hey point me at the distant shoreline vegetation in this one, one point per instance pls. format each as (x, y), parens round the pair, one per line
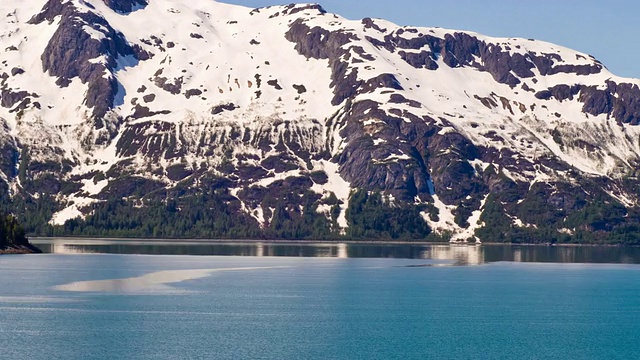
(217, 215)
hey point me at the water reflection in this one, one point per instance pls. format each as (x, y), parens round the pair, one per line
(460, 254)
(455, 254)
(153, 283)
(257, 249)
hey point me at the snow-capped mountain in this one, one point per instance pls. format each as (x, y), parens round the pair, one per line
(291, 115)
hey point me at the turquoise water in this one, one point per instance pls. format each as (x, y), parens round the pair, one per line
(55, 307)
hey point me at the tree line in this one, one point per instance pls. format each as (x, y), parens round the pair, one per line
(11, 232)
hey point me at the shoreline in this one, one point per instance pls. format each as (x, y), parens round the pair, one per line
(304, 242)
(20, 250)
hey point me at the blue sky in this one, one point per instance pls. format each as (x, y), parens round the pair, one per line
(608, 30)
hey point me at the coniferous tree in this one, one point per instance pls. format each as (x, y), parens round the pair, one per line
(11, 232)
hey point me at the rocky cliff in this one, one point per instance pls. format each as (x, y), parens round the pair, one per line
(202, 119)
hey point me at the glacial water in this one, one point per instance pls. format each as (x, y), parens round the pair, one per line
(115, 306)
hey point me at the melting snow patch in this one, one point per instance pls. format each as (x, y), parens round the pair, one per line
(519, 223)
(566, 231)
(372, 122)
(335, 184)
(479, 163)
(446, 130)
(94, 188)
(623, 199)
(393, 158)
(474, 223)
(95, 34)
(446, 221)
(258, 214)
(72, 211)
(279, 176)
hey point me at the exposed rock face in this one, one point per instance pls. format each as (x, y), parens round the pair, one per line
(9, 154)
(85, 46)
(461, 49)
(334, 127)
(617, 101)
(126, 6)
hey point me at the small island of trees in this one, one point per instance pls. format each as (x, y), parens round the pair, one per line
(12, 236)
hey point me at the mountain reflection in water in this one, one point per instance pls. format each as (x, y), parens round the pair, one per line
(446, 254)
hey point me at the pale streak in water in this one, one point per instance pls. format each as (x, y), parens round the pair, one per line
(149, 283)
(33, 299)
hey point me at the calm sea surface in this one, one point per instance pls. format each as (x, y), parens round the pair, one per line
(347, 302)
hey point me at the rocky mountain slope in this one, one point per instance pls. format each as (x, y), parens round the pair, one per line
(203, 119)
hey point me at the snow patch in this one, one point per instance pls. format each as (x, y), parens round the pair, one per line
(335, 184)
(446, 221)
(474, 223)
(94, 188)
(72, 211)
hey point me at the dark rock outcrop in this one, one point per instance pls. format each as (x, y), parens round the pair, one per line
(80, 39)
(125, 6)
(618, 101)
(319, 43)
(461, 49)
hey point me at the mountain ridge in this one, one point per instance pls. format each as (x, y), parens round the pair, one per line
(288, 121)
